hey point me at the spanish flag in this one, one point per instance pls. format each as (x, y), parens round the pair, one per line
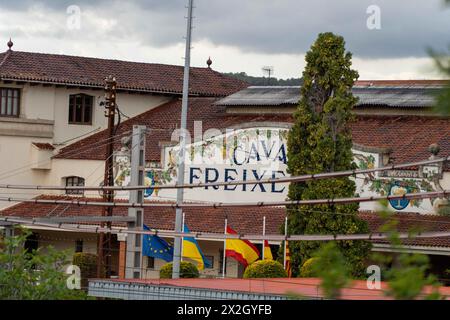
(191, 251)
(241, 250)
(267, 251)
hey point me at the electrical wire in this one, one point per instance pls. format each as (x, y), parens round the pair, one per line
(215, 205)
(307, 177)
(210, 235)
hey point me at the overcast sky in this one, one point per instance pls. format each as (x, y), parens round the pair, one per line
(239, 35)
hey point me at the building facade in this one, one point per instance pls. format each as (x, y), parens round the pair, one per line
(237, 133)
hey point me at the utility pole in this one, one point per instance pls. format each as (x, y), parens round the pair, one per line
(104, 240)
(184, 109)
(133, 264)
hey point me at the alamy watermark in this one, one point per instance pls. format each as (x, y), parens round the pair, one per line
(373, 21)
(374, 278)
(73, 17)
(73, 282)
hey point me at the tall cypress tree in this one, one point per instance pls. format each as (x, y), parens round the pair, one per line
(320, 141)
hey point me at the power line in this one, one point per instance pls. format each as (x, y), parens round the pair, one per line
(220, 236)
(407, 196)
(308, 177)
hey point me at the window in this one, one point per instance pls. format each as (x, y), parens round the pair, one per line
(31, 243)
(80, 109)
(150, 263)
(79, 246)
(9, 102)
(74, 182)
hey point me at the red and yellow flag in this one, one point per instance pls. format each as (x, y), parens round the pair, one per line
(288, 261)
(267, 251)
(241, 250)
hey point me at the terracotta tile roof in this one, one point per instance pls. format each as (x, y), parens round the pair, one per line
(243, 220)
(417, 222)
(408, 136)
(44, 146)
(204, 220)
(131, 76)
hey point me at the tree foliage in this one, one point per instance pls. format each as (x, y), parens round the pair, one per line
(37, 275)
(265, 269)
(406, 273)
(329, 264)
(320, 141)
(263, 81)
(442, 62)
(187, 270)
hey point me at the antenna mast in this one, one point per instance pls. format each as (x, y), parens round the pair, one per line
(268, 70)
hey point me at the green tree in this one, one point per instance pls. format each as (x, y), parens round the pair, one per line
(320, 141)
(263, 81)
(37, 275)
(442, 62)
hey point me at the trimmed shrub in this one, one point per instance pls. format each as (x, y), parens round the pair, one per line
(306, 271)
(87, 262)
(187, 270)
(265, 269)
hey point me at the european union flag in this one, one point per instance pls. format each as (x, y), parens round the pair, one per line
(154, 246)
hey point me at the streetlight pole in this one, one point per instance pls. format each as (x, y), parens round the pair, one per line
(181, 158)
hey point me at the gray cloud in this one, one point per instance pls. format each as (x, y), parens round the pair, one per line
(276, 26)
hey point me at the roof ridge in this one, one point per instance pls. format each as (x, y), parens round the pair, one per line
(107, 59)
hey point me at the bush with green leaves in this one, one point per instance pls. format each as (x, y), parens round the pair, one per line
(321, 141)
(265, 269)
(306, 270)
(36, 275)
(87, 262)
(187, 270)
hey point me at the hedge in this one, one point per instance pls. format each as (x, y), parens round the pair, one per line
(87, 262)
(306, 271)
(187, 270)
(265, 269)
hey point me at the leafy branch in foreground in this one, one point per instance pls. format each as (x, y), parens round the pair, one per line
(36, 275)
(407, 275)
(329, 264)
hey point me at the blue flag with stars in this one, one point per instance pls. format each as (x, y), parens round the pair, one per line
(154, 246)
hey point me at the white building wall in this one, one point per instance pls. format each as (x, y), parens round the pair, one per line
(44, 118)
(16, 166)
(91, 170)
(130, 104)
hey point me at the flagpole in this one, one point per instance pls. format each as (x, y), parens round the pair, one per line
(224, 249)
(264, 233)
(285, 242)
(182, 238)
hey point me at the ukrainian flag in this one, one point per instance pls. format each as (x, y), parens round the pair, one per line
(191, 251)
